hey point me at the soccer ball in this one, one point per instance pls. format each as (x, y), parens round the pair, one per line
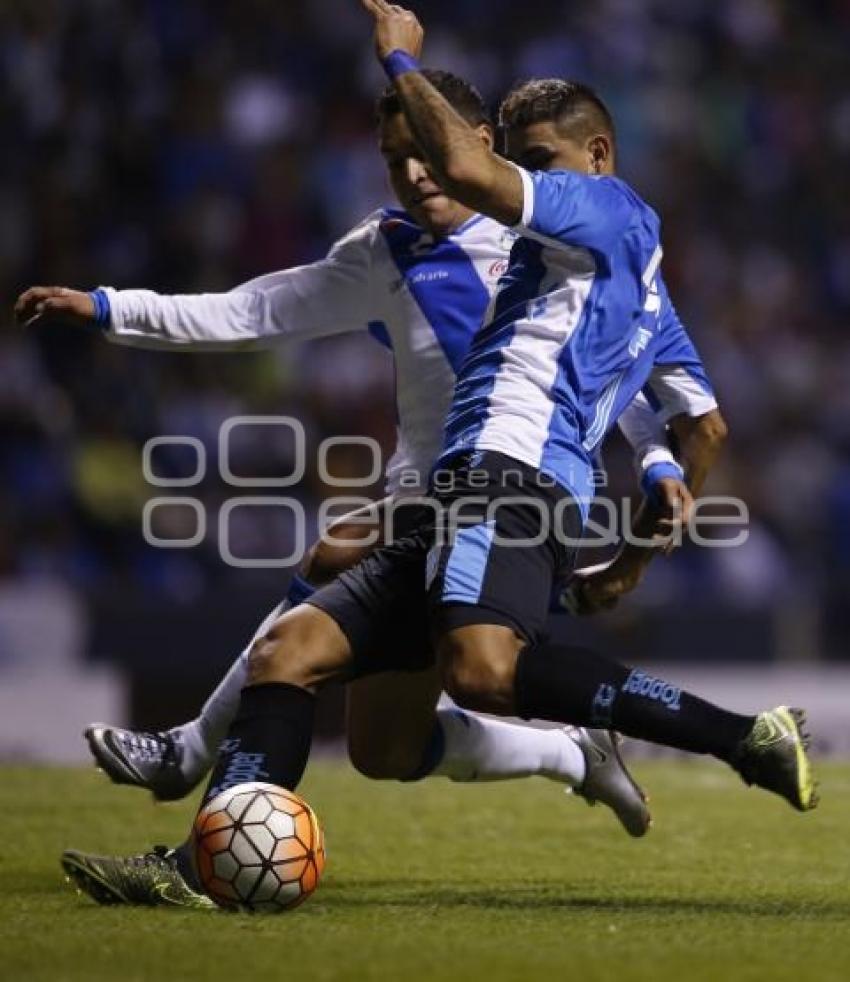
(258, 847)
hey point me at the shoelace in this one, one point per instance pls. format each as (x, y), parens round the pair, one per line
(150, 748)
(158, 856)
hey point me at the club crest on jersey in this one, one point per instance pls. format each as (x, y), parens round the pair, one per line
(640, 341)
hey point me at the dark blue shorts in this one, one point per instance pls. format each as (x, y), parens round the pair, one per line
(484, 548)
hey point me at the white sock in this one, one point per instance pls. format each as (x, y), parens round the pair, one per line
(478, 748)
(201, 736)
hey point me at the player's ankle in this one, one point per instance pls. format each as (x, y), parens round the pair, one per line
(198, 748)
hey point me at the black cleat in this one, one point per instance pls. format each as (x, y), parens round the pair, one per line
(149, 880)
(146, 760)
(774, 756)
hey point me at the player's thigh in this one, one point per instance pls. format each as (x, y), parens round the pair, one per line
(350, 538)
(390, 720)
(345, 542)
(380, 606)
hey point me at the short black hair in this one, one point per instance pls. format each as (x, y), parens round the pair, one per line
(571, 104)
(463, 97)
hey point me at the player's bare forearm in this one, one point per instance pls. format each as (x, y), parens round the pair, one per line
(700, 440)
(466, 169)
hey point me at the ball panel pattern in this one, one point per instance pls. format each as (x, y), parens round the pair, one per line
(288, 850)
(215, 821)
(258, 847)
(260, 838)
(304, 830)
(286, 802)
(281, 826)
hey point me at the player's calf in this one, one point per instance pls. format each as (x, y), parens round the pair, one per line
(270, 737)
(478, 663)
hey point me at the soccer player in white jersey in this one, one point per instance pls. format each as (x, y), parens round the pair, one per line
(574, 331)
(450, 260)
(578, 323)
(159, 318)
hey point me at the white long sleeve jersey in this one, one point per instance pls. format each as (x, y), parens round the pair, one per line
(421, 296)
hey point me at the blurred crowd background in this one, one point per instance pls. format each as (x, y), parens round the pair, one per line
(187, 145)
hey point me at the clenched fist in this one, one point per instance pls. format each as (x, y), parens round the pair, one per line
(396, 29)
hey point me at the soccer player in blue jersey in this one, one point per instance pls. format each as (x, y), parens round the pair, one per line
(571, 336)
(487, 599)
(450, 260)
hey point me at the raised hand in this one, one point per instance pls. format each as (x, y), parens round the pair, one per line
(396, 29)
(46, 301)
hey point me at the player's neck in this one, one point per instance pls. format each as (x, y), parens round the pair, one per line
(459, 218)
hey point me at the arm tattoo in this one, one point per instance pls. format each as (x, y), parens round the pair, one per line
(443, 134)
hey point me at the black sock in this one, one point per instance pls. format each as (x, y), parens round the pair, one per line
(269, 739)
(568, 684)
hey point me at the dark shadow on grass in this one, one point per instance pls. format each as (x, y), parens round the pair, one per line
(426, 895)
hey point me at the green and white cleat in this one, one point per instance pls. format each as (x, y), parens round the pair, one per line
(774, 756)
(608, 780)
(149, 880)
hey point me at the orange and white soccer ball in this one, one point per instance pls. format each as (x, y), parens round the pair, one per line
(258, 847)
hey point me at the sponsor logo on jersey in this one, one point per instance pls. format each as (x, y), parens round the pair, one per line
(428, 276)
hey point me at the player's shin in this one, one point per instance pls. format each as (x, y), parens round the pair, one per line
(468, 747)
(574, 685)
(269, 739)
(200, 737)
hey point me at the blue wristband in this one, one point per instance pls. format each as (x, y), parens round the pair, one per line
(655, 472)
(102, 310)
(399, 62)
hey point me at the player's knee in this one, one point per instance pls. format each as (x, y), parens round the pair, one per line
(266, 657)
(296, 649)
(479, 672)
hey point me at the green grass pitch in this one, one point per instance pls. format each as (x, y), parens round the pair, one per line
(448, 882)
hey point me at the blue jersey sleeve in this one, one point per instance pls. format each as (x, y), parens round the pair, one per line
(575, 209)
(678, 382)
(673, 344)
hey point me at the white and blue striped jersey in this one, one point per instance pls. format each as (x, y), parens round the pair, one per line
(580, 323)
(424, 298)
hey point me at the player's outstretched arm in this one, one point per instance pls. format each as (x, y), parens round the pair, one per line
(328, 297)
(464, 167)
